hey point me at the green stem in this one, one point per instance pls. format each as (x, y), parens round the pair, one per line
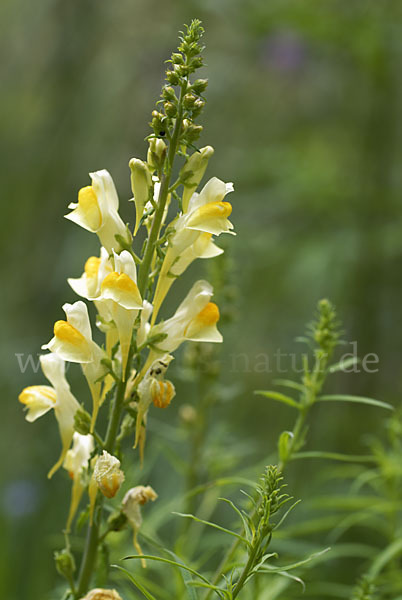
(163, 195)
(245, 572)
(90, 553)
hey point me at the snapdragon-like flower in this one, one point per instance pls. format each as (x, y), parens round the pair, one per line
(206, 215)
(194, 320)
(108, 475)
(39, 399)
(72, 341)
(120, 294)
(153, 388)
(131, 507)
(76, 463)
(101, 594)
(97, 210)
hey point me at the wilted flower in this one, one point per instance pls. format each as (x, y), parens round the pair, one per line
(100, 594)
(193, 171)
(39, 399)
(154, 389)
(132, 501)
(76, 463)
(108, 475)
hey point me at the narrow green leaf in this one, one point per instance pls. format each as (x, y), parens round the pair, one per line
(384, 557)
(138, 585)
(290, 384)
(278, 397)
(220, 591)
(344, 364)
(242, 517)
(214, 525)
(186, 577)
(295, 565)
(294, 578)
(355, 399)
(167, 561)
(334, 456)
(286, 514)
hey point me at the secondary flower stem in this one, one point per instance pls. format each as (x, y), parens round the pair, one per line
(163, 195)
(90, 553)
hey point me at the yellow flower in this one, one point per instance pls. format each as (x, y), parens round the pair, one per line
(194, 320)
(206, 215)
(39, 399)
(108, 475)
(76, 463)
(72, 341)
(132, 501)
(97, 210)
(120, 295)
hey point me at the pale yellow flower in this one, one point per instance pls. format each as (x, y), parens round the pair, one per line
(72, 341)
(39, 399)
(97, 210)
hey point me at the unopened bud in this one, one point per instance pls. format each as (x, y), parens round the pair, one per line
(199, 86)
(141, 184)
(170, 109)
(177, 58)
(172, 77)
(65, 563)
(193, 171)
(189, 100)
(117, 521)
(82, 421)
(156, 154)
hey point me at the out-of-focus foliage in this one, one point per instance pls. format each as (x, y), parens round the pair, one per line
(304, 109)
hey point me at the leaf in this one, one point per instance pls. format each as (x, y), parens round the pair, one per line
(295, 565)
(187, 579)
(384, 557)
(242, 517)
(286, 514)
(167, 561)
(214, 525)
(344, 364)
(278, 397)
(220, 591)
(355, 399)
(290, 384)
(138, 585)
(294, 578)
(334, 456)
(284, 445)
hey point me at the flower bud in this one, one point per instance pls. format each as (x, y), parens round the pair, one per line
(108, 475)
(189, 100)
(82, 421)
(193, 171)
(65, 563)
(170, 109)
(199, 86)
(99, 594)
(141, 184)
(116, 521)
(177, 58)
(168, 93)
(172, 77)
(156, 154)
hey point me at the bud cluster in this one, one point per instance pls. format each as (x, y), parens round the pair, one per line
(186, 101)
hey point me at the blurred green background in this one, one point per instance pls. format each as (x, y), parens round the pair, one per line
(304, 111)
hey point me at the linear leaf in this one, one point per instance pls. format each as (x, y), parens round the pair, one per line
(344, 364)
(278, 397)
(214, 525)
(242, 517)
(169, 562)
(138, 585)
(334, 456)
(355, 399)
(295, 565)
(290, 384)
